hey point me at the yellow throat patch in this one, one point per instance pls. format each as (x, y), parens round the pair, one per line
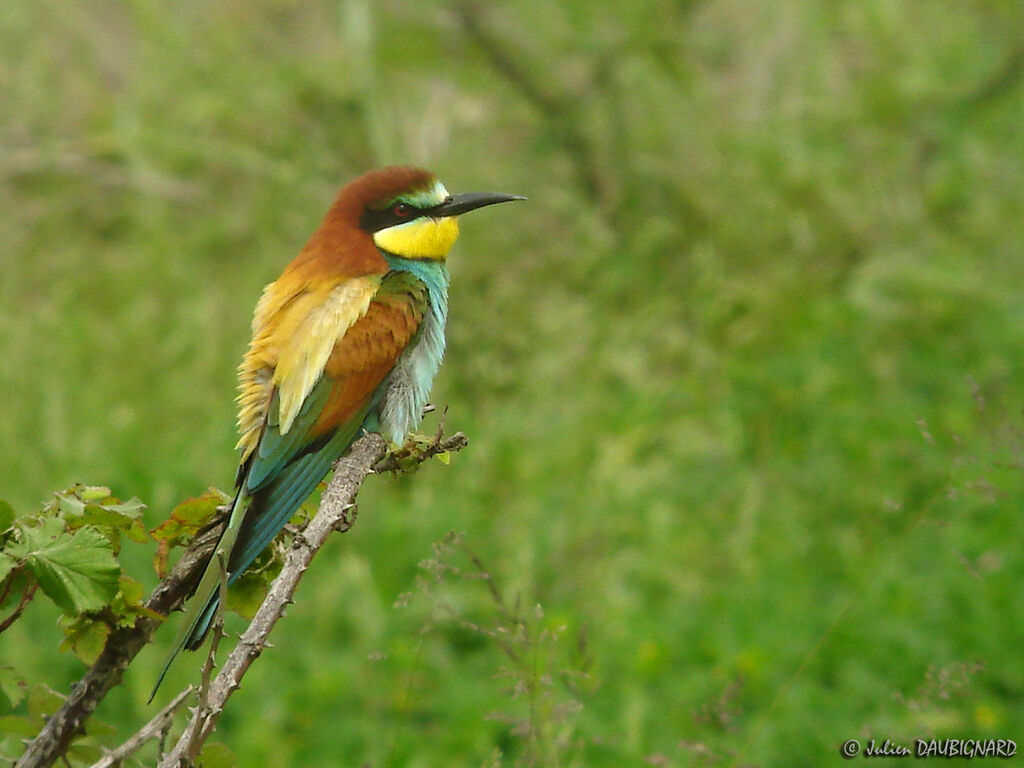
(422, 238)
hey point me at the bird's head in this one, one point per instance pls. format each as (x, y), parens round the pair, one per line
(409, 213)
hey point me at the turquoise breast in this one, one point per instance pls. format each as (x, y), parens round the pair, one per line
(407, 387)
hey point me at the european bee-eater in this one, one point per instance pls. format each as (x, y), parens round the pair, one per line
(348, 339)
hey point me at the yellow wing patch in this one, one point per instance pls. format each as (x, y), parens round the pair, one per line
(294, 331)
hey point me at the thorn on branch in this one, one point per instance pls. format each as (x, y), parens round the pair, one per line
(338, 497)
(348, 518)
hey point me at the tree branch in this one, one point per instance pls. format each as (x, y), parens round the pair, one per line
(336, 506)
(337, 512)
(154, 729)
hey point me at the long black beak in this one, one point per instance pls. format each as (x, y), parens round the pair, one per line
(470, 201)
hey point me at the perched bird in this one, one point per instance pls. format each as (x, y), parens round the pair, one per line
(348, 339)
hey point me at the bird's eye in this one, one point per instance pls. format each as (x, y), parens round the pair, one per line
(401, 210)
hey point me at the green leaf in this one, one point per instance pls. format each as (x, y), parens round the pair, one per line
(78, 572)
(43, 701)
(65, 503)
(18, 582)
(216, 755)
(98, 515)
(188, 517)
(83, 751)
(84, 636)
(248, 593)
(7, 515)
(137, 532)
(93, 505)
(132, 591)
(92, 492)
(128, 604)
(7, 564)
(13, 686)
(12, 725)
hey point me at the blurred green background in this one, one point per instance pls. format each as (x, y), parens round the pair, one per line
(742, 380)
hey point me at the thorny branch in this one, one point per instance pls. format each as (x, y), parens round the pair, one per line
(217, 633)
(399, 460)
(335, 506)
(154, 729)
(336, 512)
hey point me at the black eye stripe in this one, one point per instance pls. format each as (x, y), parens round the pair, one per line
(374, 220)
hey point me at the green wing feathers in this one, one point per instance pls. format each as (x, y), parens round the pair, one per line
(285, 467)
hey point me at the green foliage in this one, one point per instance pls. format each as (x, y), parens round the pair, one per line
(68, 551)
(742, 378)
(7, 515)
(77, 571)
(94, 506)
(185, 521)
(542, 679)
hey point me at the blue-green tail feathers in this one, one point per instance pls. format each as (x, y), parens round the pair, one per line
(256, 519)
(209, 585)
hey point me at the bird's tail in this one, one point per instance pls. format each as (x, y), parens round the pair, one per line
(257, 516)
(202, 607)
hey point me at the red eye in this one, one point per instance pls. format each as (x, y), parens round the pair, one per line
(401, 210)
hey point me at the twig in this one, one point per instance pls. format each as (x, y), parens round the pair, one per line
(335, 507)
(206, 676)
(26, 598)
(396, 460)
(498, 599)
(154, 729)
